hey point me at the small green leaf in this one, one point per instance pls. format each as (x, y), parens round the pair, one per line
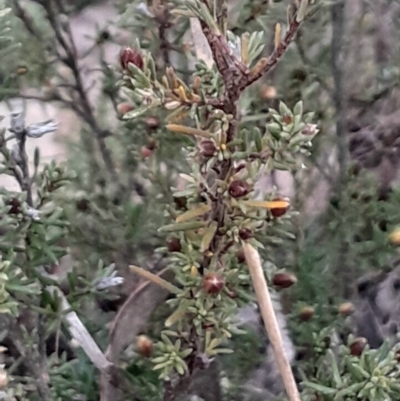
(320, 388)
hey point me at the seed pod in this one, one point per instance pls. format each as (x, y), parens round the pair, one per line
(240, 256)
(152, 122)
(174, 245)
(245, 233)
(357, 346)
(284, 280)
(22, 70)
(82, 205)
(279, 211)
(268, 92)
(151, 144)
(130, 55)
(207, 148)
(213, 283)
(144, 345)
(239, 188)
(124, 108)
(346, 308)
(306, 313)
(180, 202)
(145, 152)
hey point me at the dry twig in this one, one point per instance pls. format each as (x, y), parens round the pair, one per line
(271, 324)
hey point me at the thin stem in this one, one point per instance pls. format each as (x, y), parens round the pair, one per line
(338, 16)
(85, 110)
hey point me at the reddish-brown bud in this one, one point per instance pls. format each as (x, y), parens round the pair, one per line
(152, 122)
(124, 108)
(145, 152)
(15, 206)
(306, 313)
(180, 202)
(22, 70)
(174, 245)
(82, 205)
(245, 233)
(346, 308)
(144, 345)
(268, 92)
(240, 256)
(239, 188)
(213, 283)
(398, 356)
(207, 148)
(357, 346)
(284, 280)
(279, 211)
(151, 144)
(130, 55)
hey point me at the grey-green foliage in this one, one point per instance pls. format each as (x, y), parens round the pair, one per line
(373, 375)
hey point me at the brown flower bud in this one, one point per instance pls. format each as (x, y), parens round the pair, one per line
(124, 108)
(22, 70)
(180, 202)
(240, 256)
(213, 283)
(239, 188)
(357, 346)
(398, 355)
(174, 245)
(207, 148)
(130, 55)
(346, 308)
(15, 205)
(279, 211)
(284, 280)
(151, 144)
(145, 152)
(268, 92)
(245, 233)
(306, 313)
(144, 345)
(152, 122)
(82, 205)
